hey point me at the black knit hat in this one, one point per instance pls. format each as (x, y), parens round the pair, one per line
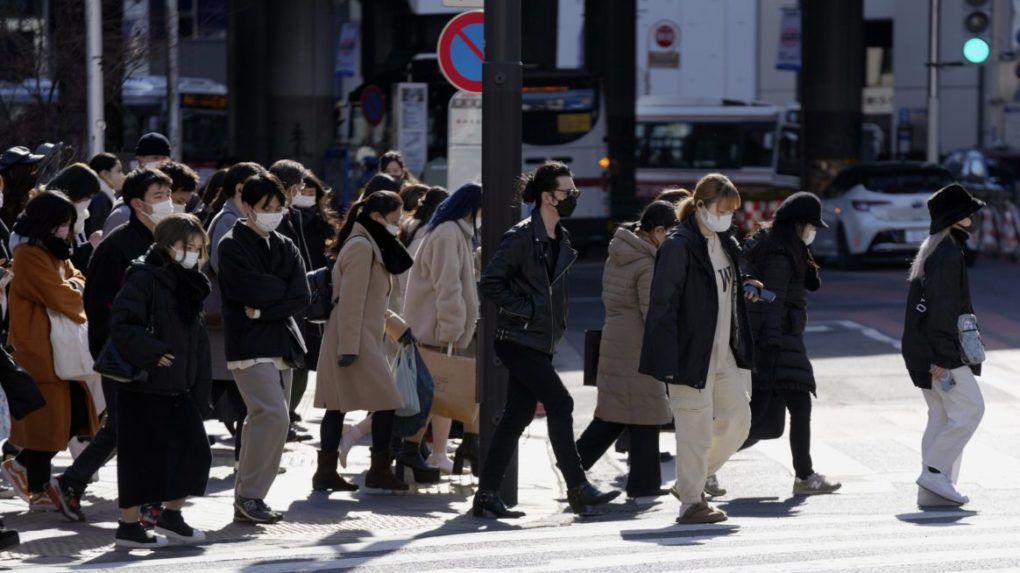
(802, 207)
(950, 205)
(152, 144)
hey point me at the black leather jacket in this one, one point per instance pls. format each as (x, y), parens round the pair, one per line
(531, 307)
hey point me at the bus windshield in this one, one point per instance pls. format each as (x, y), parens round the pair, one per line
(704, 145)
(554, 115)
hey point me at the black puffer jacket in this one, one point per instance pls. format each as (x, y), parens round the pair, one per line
(781, 360)
(684, 308)
(531, 307)
(934, 304)
(148, 320)
(268, 275)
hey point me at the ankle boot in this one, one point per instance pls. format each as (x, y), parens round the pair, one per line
(582, 497)
(409, 455)
(490, 502)
(467, 451)
(326, 477)
(380, 475)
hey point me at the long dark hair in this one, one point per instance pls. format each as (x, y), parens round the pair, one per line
(382, 202)
(786, 235)
(541, 180)
(212, 188)
(433, 198)
(660, 213)
(43, 214)
(78, 181)
(466, 200)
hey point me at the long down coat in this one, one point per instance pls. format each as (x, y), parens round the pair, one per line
(42, 281)
(624, 395)
(357, 325)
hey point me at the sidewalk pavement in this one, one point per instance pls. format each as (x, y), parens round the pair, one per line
(312, 518)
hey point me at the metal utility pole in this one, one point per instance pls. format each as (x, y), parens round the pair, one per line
(94, 76)
(933, 81)
(173, 96)
(501, 164)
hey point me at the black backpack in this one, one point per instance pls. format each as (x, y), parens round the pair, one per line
(320, 284)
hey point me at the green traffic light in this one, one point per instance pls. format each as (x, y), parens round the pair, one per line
(976, 50)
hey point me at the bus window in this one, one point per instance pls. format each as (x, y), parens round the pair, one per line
(690, 145)
(554, 115)
(789, 152)
(203, 135)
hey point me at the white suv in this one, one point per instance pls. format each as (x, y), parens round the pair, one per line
(878, 211)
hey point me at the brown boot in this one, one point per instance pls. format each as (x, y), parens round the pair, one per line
(380, 474)
(702, 512)
(326, 477)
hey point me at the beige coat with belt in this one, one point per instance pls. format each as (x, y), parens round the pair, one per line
(441, 302)
(357, 325)
(624, 396)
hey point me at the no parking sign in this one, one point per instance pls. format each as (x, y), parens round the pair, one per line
(462, 50)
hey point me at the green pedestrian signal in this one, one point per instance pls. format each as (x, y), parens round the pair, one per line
(976, 50)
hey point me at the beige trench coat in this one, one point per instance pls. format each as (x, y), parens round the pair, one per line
(357, 325)
(624, 395)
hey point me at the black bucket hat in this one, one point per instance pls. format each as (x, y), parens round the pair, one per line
(951, 204)
(802, 207)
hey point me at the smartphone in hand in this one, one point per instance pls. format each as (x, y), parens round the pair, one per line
(764, 294)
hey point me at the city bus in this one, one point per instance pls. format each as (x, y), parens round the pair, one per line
(563, 120)
(756, 146)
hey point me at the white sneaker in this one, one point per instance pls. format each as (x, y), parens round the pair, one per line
(441, 461)
(942, 486)
(815, 484)
(712, 488)
(926, 498)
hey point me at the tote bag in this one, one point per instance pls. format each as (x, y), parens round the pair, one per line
(454, 380)
(70, 342)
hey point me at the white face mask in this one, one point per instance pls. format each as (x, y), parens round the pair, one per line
(153, 164)
(187, 259)
(809, 236)
(303, 201)
(161, 211)
(180, 208)
(82, 207)
(716, 223)
(393, 229)
(268, 222)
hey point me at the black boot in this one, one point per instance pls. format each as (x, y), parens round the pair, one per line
(489, 501)
(467, 451)
(8, 538)
(380, 474)
(408, 454)
(582, 497)
(326, 477)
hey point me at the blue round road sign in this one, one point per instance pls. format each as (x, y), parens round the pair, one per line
(462, 50)
(373, 104)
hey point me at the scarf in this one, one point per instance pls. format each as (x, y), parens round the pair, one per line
(192, 287)
(57, 247)
(394, 255)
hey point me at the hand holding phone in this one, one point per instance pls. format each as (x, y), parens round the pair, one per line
(762, 293)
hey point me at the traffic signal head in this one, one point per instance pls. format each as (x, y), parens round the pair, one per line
(977, 25)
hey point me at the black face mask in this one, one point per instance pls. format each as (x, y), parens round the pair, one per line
(566, 207)
(57, 247)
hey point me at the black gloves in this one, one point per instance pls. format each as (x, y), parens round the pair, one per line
(346, 360)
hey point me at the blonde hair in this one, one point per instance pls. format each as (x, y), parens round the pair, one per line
(711, 189)
(927, 248)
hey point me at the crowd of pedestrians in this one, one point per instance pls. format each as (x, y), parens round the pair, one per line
(198, 305)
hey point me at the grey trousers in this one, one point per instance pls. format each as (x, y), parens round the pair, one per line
(266, 392)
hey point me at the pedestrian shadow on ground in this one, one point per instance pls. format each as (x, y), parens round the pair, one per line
(937, 516)
(762, 506)
(679, 535)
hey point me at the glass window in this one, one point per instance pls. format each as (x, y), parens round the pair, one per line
(690, 145)
(907, 182)
(554, 115)
(789, 162)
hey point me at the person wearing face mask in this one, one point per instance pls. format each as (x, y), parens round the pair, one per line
(780, 256)
(697, 340)
(156, 325)
(940, 357)
(81, 185)
(264, 288)
(526, 279)
(182, 189)
(392, 163)
(147, 193)
(111, 181)
(628, 400)
(152, 150)
(45, 280)
(353, 372)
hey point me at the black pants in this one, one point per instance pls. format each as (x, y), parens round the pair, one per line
(798, 403)
(643, 455)
(331, 430)
(36, 462)
(102, 447)
(532, 379)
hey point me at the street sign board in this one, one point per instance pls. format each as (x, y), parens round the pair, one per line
(462, 50)
(373, 104)
(464, 139)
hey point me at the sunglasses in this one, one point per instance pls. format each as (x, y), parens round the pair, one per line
(574, 192)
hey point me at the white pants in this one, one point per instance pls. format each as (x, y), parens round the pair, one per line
(711, 425)
(953, 417)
